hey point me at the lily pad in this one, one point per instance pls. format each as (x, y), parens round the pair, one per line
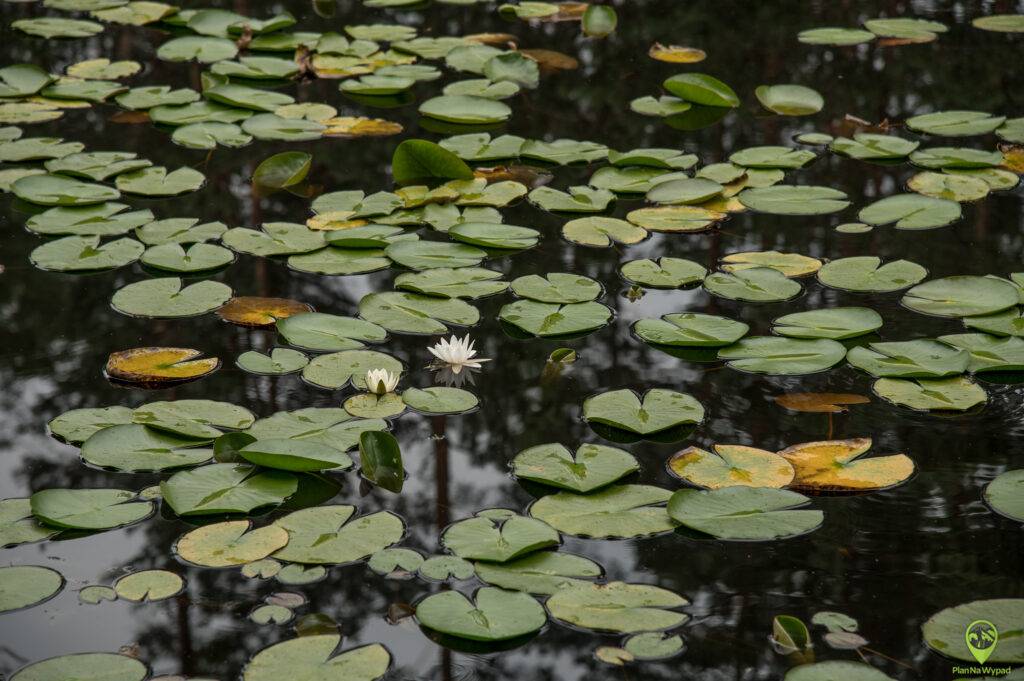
(944, 631)
(542, 572)
(794, 200)
(837, 323)
(229, 544)
(492, 615)
(1005, 494)
(327, 332)
(674, 219)
(314, 657)
(910, 359)
(156, 181)
(962, 296)
(601, 232)
(498, 540)
(744, 513)
(494, 235)
(660, 410)
(552, 319)
(590, 468)
(789, 264)
(836, 669)
(280, 361)
(617, 511)
(401, 312)
(465, 109)
(295, 455)
(957, 394)
(872, 147)
(330, 535)
(955, 123)
(665, 273)
(690, 329)
(955, 157)
(838, 466)
(165, 298)
(226, 488)
(57, 27)
(789, 100)
(835, 36)
(89, 509)
(159, 365)
(911, 211)
(275, 238)
(447, 282)
(77, 425)
(758, 285)
(424, 255)
(147, 586)
(85, 253)
(440, 400)
(782, 356)
(659, 106)
(867, 274)
(58, 190)
(104, 219)
(24, 586)
(204, 49)
(107, 666)
(948, 187)
(701, 88)
(133, 447)
(338, 369)
(618, 607)
(730, 465)
(989, 353)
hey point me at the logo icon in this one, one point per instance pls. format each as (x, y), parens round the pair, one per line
(982, 637)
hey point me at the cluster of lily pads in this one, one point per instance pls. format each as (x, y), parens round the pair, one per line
(437, 229)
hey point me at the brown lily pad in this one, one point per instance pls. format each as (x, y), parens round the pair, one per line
(158, 367)
(257, 312)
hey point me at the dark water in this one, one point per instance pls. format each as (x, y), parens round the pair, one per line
(888, 559)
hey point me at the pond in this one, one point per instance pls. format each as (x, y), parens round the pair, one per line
(833, 495)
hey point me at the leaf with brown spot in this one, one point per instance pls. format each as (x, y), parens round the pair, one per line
(360, 126)
(527, 175)
(676, 54)
(258, 312)
(836, 466)
(335, 220)
(731, 465)
(158, 366)
(551, 60)
(819, 403)
(1013, 157)
(491, 38)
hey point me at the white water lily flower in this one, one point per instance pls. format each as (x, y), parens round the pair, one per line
(381, 381)
(457, 353)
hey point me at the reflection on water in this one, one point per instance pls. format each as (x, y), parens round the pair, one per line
(889, 559)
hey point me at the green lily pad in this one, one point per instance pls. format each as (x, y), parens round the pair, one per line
(198, 258)
(690, 329)
(23, 586)
(97, 165)
(204, 49)
(653, 645)
(782, 356)
(744, 513)
(465, 109)
(552, 319)
(77, 425)
(557, 287)
(758, 285)
(666, 159)
(921, 358)
(945, 631)
(338, 369)
(443, 568)
(494, 235)
(165, 298)
(268, 126)
(197, 112)
(684, 191)
(577, 200)
(789, 264)
(955, 157)
(208, 134)
(867, 274)
(107, 666)
(632, 179)
(280, 361)
(947, 186)
(133, 447)
(440, 400)
(38, 149)
(58, 190)
(909, 28)
(590, 468)
(245, 97)
(56, 27)
(836, 669)
(229, 544)
(256, 68)
(392, 561)
(226, 488)
(958, 393)
(835, 36)
(701, 88)
(658, 411)
(330, 426)
(542, 572)
(380, 455)
(911, 211)
(665, 273)
(962, 296)
(563, 151)
(299, 456)
(776, 157)
(89, 509)
(618, 607)
(313, 657)
(340, 261)
(989, 353)
(1004, 495)
(327, 332)
(601, 232)
(793, 200)
(1002, 23)
(955, 123)
(492, 615)
(420, 160)
(275, 238)
(790, 100)
(424, 255)
(330, 535)
(23, 80)
(872, 147)
(498, 540)
(837, 323)
(156, 181)
(401, 312)
(731, 465)
(85, 253)
(147, 97)
(447, 282)
(147, 586)
(94, 594)
(617, 511)
(662, 106)
(668, 219)
(1007, 323)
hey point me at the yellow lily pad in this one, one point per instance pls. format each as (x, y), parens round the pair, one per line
(255, 311)
(676, 54)
(159, 366)
(836, 466)
(731, 465)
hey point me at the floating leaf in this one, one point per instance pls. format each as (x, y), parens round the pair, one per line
(962, 296)
(447, 282)
(823, 403)
(1004, 495)
(493, 615)
(57, 190)
(955, 157)
(267, 126)
(660, 410)
(618, 511)
(424, 255)
(683, 191)
(260, 312)
(418, 160)
(602, 232)
(23, 586)
(159, 366)
(690, 329)
(744, 513)
(659, 106)
(542, 572)
(229, 544)
(498, 541)
(330, 426)
(780, 157)
(592, 466)
(85, 253)
(789, 264)
(401, 312)
(440, 400)
(280, 361)
(945, 631)
(465, 109)
(675, 54)
(494, 235)
(789, 100)
(988, 353)
(198, 258)
(666, 273)
(577, 200)
(77, 425)
(955, 123)
(552, 319)
(618, 607)
(147, 97)
(156, 181)
(56, 27)
(653, 645)
(911, 211)
(133, 447)
(701, 88)
(837, 466)
(835, 36)
(868, 274)
(674, 219)
(225, 488)
(338, 369)
(837, 323)
(89, 509)
(92, 595)
(1002, 23)
(147, 586)
(442, 568)
(275, 238)
(948, 187)
(921, 358)
(794, 200)
(731, 465)
(758, 284)
(299, 456)
(313, 657)
(107, 666)
(873, 147)
(782, 356)
(164, 298)
(958, 393)
(381, 460)
(329, 535)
